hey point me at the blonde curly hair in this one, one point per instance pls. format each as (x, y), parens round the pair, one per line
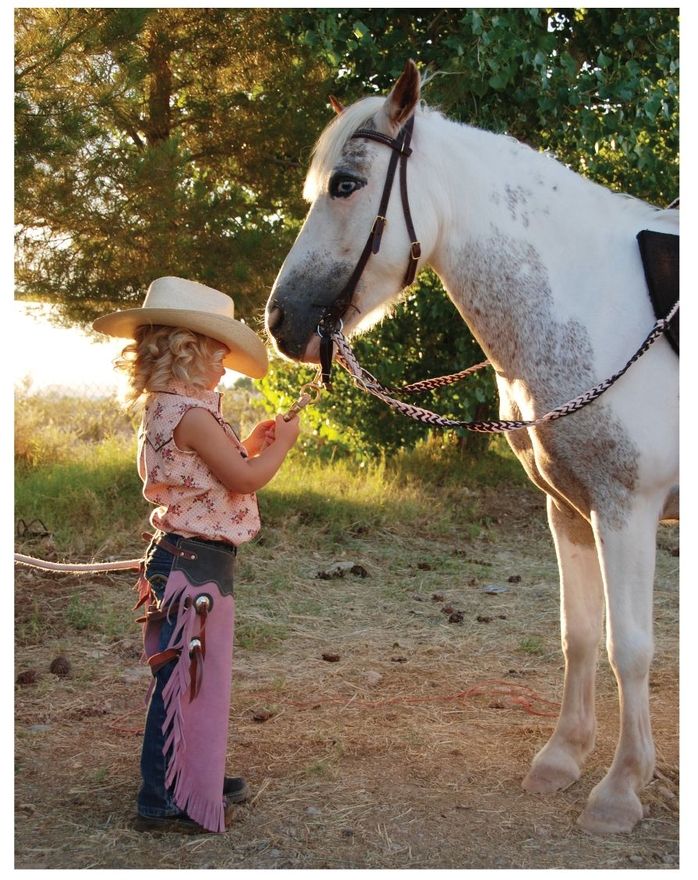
(158, 355)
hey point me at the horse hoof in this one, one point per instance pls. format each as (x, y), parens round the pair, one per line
(545, 778)
(611, 817)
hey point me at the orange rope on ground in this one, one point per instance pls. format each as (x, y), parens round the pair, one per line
(520, 695)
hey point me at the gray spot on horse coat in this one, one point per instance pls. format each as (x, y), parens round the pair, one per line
(585, 460)
(516, 200)
(355, 155)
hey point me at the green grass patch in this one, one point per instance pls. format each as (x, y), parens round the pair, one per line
(259, 635)
(532, 645)
(88, 501)
(87, 492)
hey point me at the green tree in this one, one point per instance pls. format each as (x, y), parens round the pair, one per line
(597, 87)
(153, 142)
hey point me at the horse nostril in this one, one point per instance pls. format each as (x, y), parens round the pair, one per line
(275, 318)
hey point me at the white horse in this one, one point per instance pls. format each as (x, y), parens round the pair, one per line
(544, 267)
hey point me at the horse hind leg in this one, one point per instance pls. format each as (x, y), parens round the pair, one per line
(560, 761)
(627, 555)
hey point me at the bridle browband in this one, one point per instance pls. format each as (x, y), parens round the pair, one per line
(332, 316)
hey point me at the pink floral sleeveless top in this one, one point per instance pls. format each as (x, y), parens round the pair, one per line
(191, 500)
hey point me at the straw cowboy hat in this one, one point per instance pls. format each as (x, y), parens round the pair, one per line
(175, 302)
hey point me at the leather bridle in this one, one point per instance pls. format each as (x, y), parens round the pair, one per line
(332, 316)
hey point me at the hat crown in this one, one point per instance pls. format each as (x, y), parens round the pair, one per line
(180, 294)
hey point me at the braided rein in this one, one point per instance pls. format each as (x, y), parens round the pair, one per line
(367, 382)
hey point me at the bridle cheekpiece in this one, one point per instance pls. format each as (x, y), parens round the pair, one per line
(331, 318)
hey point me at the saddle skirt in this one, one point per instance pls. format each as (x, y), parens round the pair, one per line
(660, 259)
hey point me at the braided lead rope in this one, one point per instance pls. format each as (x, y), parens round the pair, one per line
(363, 379)
(441, 381)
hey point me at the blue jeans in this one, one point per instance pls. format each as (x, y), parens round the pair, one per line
(154, 800)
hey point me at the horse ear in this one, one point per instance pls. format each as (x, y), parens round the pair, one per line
(404, 97)
(337, 106)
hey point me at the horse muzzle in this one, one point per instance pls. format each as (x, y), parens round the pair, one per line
(291, 338)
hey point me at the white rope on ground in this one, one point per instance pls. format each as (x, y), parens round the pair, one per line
(83, 568)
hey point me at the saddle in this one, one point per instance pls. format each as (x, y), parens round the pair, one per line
(660, 259)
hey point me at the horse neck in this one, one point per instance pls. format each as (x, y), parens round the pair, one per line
(518, 233)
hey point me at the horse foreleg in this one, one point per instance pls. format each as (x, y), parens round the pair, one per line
(559, 763)
(627, 561)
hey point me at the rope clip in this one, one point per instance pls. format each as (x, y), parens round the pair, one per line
(309, 393)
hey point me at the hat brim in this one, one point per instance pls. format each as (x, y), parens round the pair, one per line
(247, 353)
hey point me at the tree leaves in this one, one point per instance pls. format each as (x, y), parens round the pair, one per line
(119, 113)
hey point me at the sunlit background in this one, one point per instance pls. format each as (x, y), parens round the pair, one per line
(54, 358)
(57, 357)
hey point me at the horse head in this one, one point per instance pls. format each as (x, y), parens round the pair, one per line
(344, 186)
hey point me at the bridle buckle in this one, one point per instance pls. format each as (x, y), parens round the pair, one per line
(330, 325)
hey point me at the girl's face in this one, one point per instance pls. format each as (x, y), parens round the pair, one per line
(215, 370)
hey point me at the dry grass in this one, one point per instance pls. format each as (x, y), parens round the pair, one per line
(386, 758)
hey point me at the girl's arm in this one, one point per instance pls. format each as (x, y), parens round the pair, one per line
(198, 431)
(260, 437)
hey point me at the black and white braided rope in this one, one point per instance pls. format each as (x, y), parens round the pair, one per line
(363, 379)
(441, 381)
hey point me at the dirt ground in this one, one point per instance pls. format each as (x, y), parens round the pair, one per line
(405, 750)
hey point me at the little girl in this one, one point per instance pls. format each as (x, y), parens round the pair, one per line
(202, 479)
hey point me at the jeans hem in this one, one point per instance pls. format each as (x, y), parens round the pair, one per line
(160, 814)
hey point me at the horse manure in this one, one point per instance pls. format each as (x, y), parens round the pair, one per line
(424, 566)
(339, 569)
(330, 658)
(456, 617)
(437, 597)
(29, 676)
(481, 618)
(60, 667)
(262, 715)
(514, 579)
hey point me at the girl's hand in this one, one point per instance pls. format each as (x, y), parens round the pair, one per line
(286, 432)
(262, 435)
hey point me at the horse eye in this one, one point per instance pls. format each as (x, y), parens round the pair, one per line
(343, 185)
